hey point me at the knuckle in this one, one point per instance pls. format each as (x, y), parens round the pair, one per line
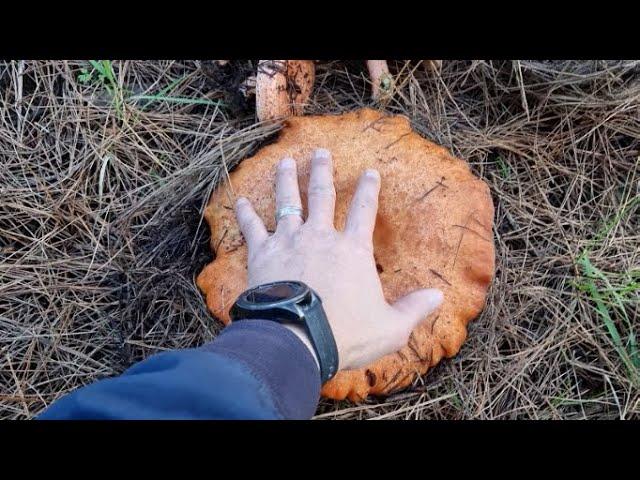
(288, 223)
(310, 233)
(298, 237)
(271, 246)
(326, 235)
(322, 191)
(249, 223)
(287, 199)
(322, 161)
(368, 199)
(286, 173)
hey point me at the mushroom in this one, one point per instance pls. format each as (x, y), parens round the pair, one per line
(433, 229)
(381, 79)
(283, 87)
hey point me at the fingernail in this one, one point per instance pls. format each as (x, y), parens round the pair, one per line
(322, 153)
(372, 173)
(241, 201)
(287, 162)
(438, 296)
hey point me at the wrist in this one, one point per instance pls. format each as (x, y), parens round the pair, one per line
(304, 338)
(297, 307)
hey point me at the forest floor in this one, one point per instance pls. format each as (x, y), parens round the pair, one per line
(105, 168)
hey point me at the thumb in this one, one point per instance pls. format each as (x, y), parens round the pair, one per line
(416, 306)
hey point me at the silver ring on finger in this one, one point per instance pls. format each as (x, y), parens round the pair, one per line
(288, 210)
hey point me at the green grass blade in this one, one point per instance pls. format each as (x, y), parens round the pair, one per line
(166, 90)
(590, 272)
(108, 69)
(591, 288)
(169, 88)
(98, 66)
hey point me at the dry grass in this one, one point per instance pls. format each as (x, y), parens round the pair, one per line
(102, 185)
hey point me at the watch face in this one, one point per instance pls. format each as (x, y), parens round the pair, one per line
(275, 292)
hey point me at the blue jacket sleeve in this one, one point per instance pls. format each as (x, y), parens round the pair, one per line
(253, 370)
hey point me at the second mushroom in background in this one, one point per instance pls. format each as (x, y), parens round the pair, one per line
(283, 87)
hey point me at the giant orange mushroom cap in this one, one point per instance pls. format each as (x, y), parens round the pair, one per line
(433, 229)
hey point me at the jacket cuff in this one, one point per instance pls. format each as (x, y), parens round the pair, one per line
(276, 357)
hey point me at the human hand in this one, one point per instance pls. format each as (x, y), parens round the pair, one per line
(339, 266)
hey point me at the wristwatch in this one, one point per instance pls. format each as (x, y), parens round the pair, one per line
(292, 302)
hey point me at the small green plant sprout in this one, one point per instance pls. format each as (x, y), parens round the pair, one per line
(102, 73)
(85, 76)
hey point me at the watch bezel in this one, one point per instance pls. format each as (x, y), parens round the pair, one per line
(287, 308)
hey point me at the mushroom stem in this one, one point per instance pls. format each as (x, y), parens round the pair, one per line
(283, 87)
(381, 79)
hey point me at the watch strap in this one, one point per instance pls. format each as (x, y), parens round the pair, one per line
(321, 337)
